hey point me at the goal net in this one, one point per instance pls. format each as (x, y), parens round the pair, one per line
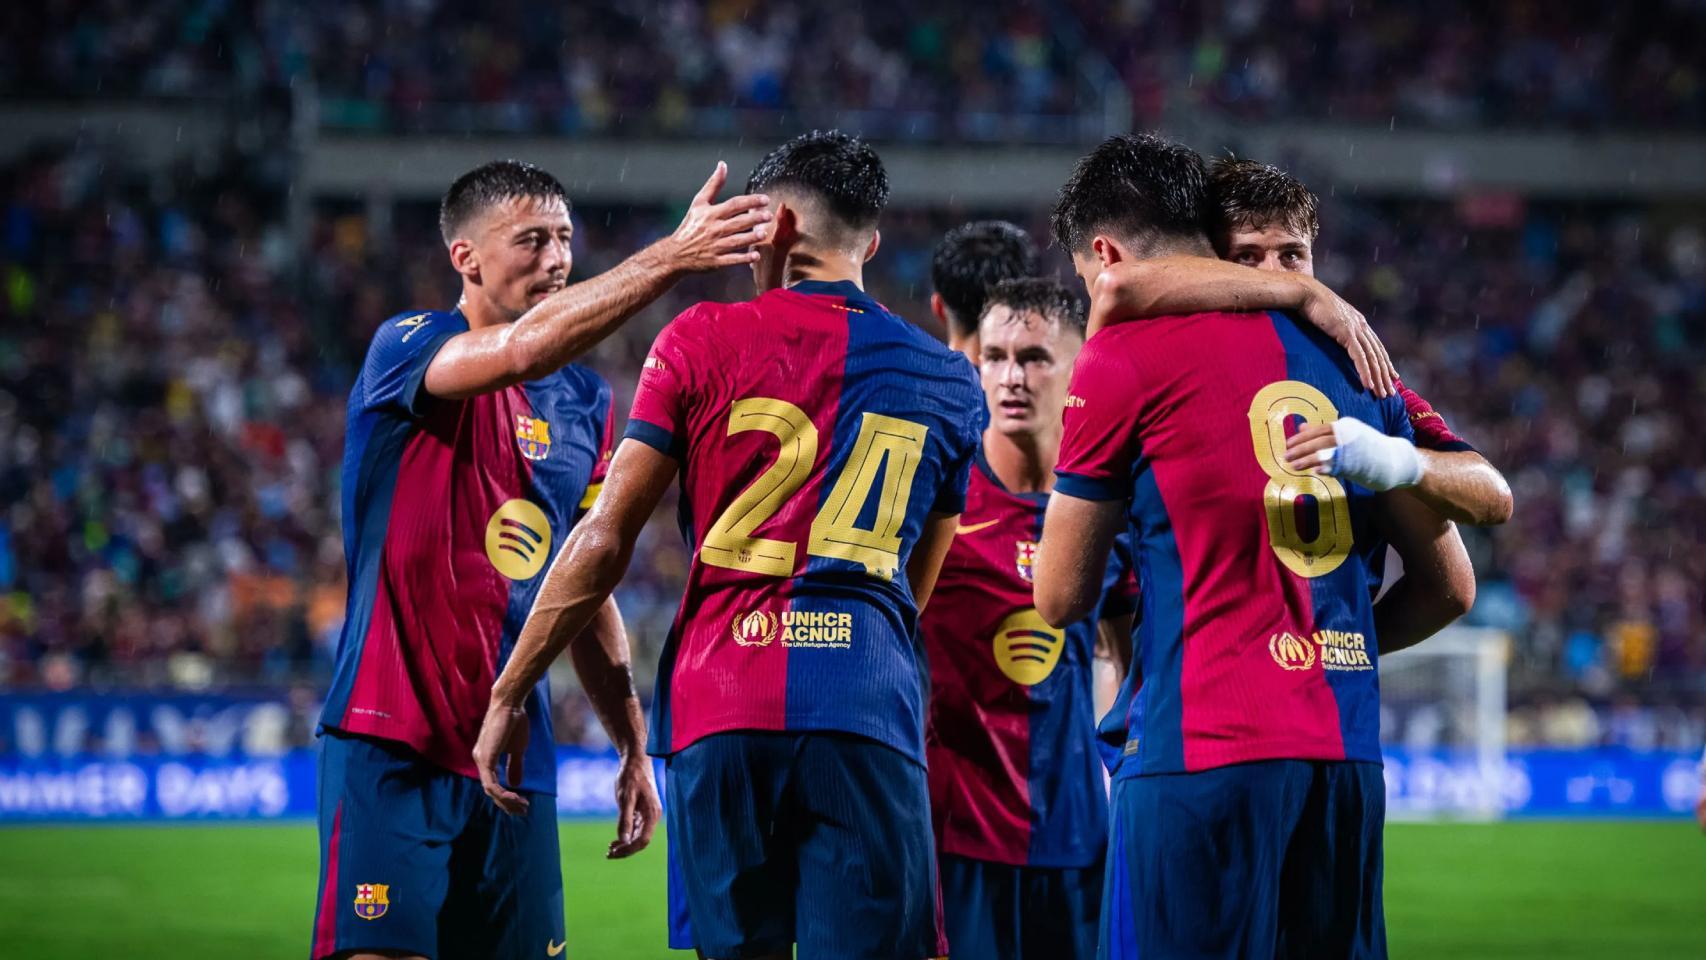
(1442, 726)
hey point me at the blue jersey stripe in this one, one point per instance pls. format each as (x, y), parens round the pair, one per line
(1341, 598)
(375, 484)
(1156, 718)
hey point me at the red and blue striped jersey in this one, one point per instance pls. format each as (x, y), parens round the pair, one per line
(1257, 633)
(1432, 432)
(452, 511)
(1014, 776)
(815, 432)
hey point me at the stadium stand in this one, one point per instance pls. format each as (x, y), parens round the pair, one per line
(172, 509)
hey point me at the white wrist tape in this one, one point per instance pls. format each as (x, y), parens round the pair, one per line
(1365, 456)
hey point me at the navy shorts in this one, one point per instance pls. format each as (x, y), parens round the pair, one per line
(1279, 858)
(415, 858)
(1003, 912)
(820, 839)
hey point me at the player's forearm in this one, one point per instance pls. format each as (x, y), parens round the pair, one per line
(554, 333)
(603, 664)
(1463, 486)
(573, 321)
(579, 582)
(1414, 610)
(1176, 285)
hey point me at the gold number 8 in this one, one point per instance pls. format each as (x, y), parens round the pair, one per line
(1270, 409)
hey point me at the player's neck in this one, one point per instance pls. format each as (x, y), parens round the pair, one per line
(806, 265)
(481, 312)
(1023, 463)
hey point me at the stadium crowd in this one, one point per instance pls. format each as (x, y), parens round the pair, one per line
(951, 70)
(173, 375)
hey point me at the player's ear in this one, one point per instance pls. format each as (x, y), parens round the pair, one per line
(939, 308)
(465, 259)
(871, 248)
(1107, 250)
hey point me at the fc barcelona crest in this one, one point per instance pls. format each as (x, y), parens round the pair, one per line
(533, 435)
(1027, 557)
(372, 900)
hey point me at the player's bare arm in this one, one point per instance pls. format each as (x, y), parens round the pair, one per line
(1438, 584)
(604, 666)
(589, 566)
(925, 564)
(1459, 485)
(1113, 660)
(571, 321)
(1132, 289)
(1073, 556)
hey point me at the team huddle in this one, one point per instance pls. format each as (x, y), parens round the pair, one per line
(878, 703)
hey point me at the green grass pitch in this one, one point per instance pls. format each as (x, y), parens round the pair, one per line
(1553, 890)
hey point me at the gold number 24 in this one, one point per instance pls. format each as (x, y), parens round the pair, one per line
(1322, 554)
(730, 542)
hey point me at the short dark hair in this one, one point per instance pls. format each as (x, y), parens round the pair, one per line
(973, 257)
(1250, 195)
(491, 183)
(840, 170)
(1138, 185)
(1045, 296)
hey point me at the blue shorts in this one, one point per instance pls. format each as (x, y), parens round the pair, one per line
(1003, 912)
(820, 839)
(1278, 858)
(414, 858)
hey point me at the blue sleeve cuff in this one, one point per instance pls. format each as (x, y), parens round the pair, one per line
(655, 437)
(1454, 446)
(414, 394)
(949, 503)
(1085, 488)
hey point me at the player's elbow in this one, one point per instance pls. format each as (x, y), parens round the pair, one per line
(1059, 608)
(1457, 597)
(601, 552)
(1499, 506)
(524, 356)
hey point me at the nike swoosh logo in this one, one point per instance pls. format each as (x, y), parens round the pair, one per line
(555, 949)
(963, 530)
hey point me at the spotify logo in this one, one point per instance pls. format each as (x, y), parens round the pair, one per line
(1027, 648)
(518, 539)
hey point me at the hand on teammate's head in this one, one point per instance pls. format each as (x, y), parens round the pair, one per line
(716, 234)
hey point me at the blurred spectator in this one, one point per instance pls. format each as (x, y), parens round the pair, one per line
(952, 69)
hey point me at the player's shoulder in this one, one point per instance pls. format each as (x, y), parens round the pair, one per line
(581, 382)
(412, 325)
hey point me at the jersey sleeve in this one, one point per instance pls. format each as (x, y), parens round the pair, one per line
(606, 447)
(1395, 418)
(1432, 432)
(658, 418)
(1099, 442)
(951, 498)
(397, 361)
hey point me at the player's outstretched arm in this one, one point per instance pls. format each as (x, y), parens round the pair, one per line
(604, 665)
(589, 566)
(1461, 485)
(571, 322)
(1167, 286)
(1458, 485)
(1438, 584)
(1073, 556)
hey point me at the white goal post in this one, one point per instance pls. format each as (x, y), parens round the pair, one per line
(1442, 726)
